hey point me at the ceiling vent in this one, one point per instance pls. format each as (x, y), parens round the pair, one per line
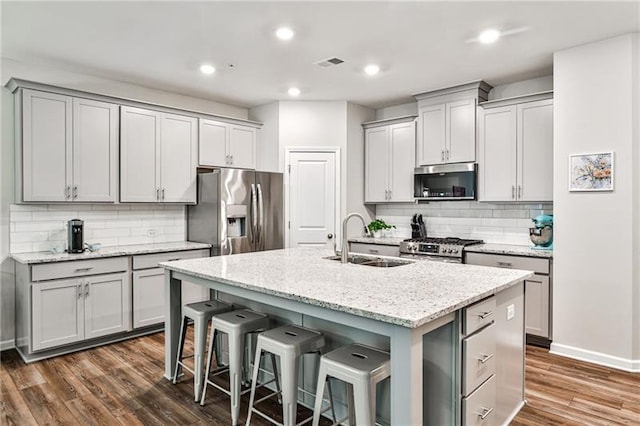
(329, 62)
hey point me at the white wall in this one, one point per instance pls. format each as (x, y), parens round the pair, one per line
(268, 150)
(410, 108)
(520, 88)
(10, 68)
(596, 286)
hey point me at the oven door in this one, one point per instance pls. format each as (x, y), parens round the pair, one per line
(442, 259)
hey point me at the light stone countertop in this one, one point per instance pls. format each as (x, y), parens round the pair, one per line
(409, 295)
(509, 249)
(48, 257)
(387, 241)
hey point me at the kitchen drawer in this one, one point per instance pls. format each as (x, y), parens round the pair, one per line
(144, 261)
(78, 268)
(478, 408)
(479, 363)
(375, 249)
(540, 266)
(479, 315)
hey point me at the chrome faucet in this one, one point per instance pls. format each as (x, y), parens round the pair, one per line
(345, 244)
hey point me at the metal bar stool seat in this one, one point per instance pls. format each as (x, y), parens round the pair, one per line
(288, 342)
(363, 368)
(237, 325)
(200, 313)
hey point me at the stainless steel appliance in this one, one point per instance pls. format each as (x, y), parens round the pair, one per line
(445, 182)
(75, 236)
(440, 249)
(238, 211)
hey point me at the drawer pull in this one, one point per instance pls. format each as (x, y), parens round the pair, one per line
(84, 269)
(485, 413)
(485, 358)
(504, 264)
(173, 260)
(485, 315)
(374, 251)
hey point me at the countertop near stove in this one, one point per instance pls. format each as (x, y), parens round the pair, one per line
(409, 295)
(386, 241)
(509, 249)
(48, 257)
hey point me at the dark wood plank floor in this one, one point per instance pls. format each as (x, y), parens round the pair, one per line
(123, 383)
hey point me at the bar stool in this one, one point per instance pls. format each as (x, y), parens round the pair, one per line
(236, 324)
(361, 367)
(200, 313)
(289, 342)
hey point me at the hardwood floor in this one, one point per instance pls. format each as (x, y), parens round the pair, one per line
(122, 383)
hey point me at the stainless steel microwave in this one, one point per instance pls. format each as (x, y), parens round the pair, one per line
(446, 182)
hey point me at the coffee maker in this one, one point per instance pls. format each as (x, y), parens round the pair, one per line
(542, 232)
(75, 230)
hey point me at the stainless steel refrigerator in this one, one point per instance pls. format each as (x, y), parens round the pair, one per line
(238, 211)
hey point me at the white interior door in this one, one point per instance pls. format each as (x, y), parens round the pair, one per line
(312, 189)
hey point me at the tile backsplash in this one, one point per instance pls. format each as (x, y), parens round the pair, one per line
(493, 223)
(42, 227)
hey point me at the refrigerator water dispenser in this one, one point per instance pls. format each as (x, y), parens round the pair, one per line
(236, 220)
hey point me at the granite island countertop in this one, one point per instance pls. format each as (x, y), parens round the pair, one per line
(409, 295)
(48, 257)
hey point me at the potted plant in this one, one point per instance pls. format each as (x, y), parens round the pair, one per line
(377, 226)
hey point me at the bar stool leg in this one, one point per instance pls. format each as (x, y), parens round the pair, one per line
(276, 377)
(200, 339)
(183, 335)
(289, 365)
(254, 381)
(322, 378)
(235, 374)
(365, 407)
(210, 352)
(351, 405)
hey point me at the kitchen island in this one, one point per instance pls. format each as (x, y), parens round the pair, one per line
(404, 304)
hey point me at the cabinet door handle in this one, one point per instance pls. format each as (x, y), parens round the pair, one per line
(231, 158)
(484, 358)
(519, 191)
(485, 315)
(442, 156)
(163, 193)
(86, 289)
(67, 191)
(513, 192)
(79, 286)
(504, 264)
(485, 413)
(447, 156)
(158, 194)
(75, 191)
(83, 269)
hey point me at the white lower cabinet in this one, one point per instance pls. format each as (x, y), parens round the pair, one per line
(148, 286)
(374, 249)
(71, 310)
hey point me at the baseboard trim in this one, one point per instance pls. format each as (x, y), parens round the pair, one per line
(630, 365)
(7, 344)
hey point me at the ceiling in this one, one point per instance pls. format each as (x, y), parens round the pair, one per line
(420, 46)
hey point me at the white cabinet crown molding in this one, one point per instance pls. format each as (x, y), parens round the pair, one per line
(496, 103)
(389, 121)
(15, 83)
(479, 88)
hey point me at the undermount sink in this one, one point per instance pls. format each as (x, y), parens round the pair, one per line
(377, 262)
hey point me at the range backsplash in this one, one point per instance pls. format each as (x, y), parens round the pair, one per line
(42, 227)
(493, 223)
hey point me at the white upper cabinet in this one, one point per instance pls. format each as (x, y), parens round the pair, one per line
(447, 124)
(516, 151)
(69, 148)
(227, 145)
(389, 161)
(158, 156)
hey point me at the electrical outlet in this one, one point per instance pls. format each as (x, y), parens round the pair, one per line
(151, 233)
(511, 312)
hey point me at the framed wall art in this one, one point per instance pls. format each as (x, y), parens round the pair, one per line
(591, 172)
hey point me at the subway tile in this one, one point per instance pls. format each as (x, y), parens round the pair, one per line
(59, 235)
(68, 207)
(111, 233)
(122, 224)
(45, 245)
(29, 237)
(28, 207)
(39, 226)
(105, 242)
(110, 207)
(20, 216)
(127, 241)
(513, 214)
(499, 222)
(55, 215)
(21, 247)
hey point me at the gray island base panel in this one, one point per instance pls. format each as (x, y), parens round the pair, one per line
(404, 304)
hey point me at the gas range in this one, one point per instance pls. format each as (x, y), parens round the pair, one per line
(449, 249)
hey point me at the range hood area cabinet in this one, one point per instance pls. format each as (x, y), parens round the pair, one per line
(227, 145)
(516, 149)
(389, 147)
(66, 148)
(447, 124)
(158, 157)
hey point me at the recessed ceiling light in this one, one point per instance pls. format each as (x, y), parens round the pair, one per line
(372, 69)
(207, 69)
(489, 36)
(284, 33)
(294, 91)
